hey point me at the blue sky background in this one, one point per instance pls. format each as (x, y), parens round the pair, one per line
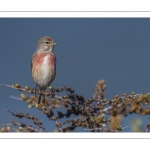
(89, 49)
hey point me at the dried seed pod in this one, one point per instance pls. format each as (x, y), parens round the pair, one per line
(79, 123)
(143, 112)
(13, 85)
(17, 85)
(23, 96)
(54, 118)
(65, 105)
(26, 88)
(65, 97)
(147, 110)
(115, 97)
(124, 114)
(41, 122)
(2, 130)
(101, 82)
(29, 106)
(36, 105)
(53, 101)
(58, 102)
(132, 93)
(124, 95)
(51, 88)
(29, 101)
(20, 112)
(20, 128)
(46, 112)
(51, 107)
(88, 109)
(57, 124)
(119, 128)
(8, 128)
(83, 124)
(43, 108)
(115, 122)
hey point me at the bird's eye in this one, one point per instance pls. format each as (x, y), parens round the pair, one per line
(46, 42)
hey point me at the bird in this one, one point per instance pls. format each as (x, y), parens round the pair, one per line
(43, 64)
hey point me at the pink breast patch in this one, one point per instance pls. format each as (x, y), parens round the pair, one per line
(52, 60)
(39, 59)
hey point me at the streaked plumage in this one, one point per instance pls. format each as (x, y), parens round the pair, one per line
(43, 63)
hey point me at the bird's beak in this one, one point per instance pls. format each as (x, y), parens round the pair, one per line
(54, 44)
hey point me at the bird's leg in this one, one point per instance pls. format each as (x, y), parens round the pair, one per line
(43, 98)
(39, 98)
(35, 89)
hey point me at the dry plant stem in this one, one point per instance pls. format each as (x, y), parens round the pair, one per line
(17, 98)
(34, 91)
(126, 127)
(106, 110)
(34, 119)
(25, 127)
(57, 106)
(108, 130)
(102, 129)
(41, 92)
(148, 126)
(71, 102)
(92, 110)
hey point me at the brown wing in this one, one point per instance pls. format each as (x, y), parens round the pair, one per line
(32, 59)
(55, 60)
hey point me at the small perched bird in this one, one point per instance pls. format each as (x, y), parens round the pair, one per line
(43, 64)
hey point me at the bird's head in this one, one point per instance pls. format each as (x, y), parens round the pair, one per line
(45, 43)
